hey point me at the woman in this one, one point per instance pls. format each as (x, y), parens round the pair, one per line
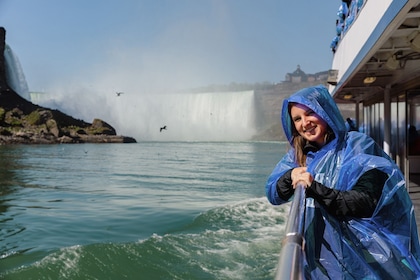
(359, 222)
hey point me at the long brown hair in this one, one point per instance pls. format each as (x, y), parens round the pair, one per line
(299, 143)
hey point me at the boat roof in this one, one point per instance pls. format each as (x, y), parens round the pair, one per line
(381, 44)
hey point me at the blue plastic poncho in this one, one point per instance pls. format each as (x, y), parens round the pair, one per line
(384, 246)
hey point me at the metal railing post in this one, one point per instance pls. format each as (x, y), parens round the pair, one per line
(290, 265)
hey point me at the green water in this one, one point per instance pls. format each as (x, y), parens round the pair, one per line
(153, 210)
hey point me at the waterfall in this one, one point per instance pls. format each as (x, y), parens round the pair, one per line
(221, 116)
(215, 116)
(14, 74)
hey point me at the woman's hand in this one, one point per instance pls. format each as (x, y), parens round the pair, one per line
(299, 174)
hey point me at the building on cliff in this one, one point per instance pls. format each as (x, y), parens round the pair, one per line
(299, 76)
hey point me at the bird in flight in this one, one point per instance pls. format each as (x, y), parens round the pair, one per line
(162, 128)
(118, 93)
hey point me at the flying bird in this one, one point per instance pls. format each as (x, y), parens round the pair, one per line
(162, 128)
(118, 93)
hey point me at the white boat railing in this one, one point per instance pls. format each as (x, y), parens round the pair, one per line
(290, 265)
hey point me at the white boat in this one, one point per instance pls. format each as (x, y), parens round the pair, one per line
(376, 66)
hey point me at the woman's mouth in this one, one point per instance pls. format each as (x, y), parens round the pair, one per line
(310, 129)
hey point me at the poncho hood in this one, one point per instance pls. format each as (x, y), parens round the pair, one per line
(318, 99)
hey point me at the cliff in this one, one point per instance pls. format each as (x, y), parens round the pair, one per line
(22, 122)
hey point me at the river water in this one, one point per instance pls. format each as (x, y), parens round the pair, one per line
(149, 210)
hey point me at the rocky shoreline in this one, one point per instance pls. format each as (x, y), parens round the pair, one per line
(23, 138)
(22, 122)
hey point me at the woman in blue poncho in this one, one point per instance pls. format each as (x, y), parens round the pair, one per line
(359, 222)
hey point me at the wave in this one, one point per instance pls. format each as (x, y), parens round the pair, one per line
(237, 241)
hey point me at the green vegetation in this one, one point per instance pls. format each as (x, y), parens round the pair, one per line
(2, 114)
(33, 118)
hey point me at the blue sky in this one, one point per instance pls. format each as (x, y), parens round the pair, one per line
(146, 45)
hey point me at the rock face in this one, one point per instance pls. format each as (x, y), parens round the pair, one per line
(22, 122)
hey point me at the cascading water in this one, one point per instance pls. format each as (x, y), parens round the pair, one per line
(14, 74)
(216, 116)
(221, 116)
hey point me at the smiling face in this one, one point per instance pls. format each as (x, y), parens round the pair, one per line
(308, 124)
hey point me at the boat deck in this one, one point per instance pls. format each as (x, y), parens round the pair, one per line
(414, 190)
